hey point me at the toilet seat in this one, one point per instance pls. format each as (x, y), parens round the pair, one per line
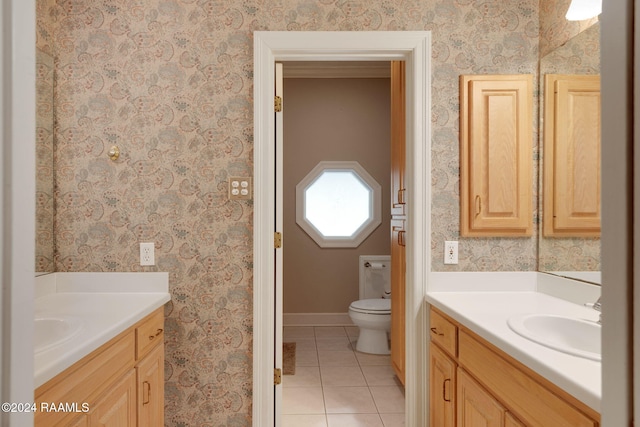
(372, 306)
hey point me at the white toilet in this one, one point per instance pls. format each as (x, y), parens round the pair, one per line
(372, 312)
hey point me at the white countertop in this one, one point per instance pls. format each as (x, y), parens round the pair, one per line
(486, 314)
(106, 303)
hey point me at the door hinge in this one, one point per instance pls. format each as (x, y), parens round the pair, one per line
(277, 240)
(277, 376)
(277, 104)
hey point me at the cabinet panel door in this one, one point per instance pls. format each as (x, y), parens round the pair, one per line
(496, 147)
(511, 421)
(442, 388)
(398, 275)
(117, 408)
(476, 407)
(151, 388)
(398, 132)
(572, 155)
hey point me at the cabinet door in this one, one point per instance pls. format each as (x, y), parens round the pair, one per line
(150, 373)
(398, 134)
(117, 407)
(511, 421)
(496, 155)
(398, 297)
(442, 388)
(80, 421)
(475, 406)
(572, 156)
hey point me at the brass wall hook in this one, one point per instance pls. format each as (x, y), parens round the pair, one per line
(114, 153)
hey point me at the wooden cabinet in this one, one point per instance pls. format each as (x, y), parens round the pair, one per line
(118, 406)
(119, 384)
(398, 275)
(442, 388)
(491, 388)
(398, 218)
(496, 155)
(571, 156)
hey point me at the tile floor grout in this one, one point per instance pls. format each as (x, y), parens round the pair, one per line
(340, 407)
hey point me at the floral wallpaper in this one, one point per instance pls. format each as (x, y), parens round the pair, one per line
(579, 55)
(170, 83)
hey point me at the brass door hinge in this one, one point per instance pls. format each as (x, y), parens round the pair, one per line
(277, 240)
(277, 376)
(277, 104)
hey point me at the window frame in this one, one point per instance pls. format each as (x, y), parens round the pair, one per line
(367, 227)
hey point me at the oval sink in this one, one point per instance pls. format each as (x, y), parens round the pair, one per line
(54, 330)
(567, 334)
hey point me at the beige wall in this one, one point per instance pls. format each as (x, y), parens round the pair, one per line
(331, 119)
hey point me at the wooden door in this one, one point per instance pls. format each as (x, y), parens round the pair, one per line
(117, 408)
(150, 373)
(398, 275)
(571, 156)
(511, 421)
(475, 406)
(496, 155)
(442, 388)
(398, 138)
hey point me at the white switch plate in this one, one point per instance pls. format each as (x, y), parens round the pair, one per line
(450, 252)
(147, 254)
(240, 188)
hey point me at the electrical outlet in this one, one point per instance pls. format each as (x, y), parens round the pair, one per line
(450, 252)
(240, 188)
(147, 254)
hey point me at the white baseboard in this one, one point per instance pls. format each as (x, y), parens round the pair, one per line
(316, 319)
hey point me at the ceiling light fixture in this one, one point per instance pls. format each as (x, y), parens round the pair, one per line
(580, 10)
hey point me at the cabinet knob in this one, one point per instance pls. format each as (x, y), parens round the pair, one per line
(435, 331)
(444, 390)
(478, 205)
(158, 332)
(147, 390)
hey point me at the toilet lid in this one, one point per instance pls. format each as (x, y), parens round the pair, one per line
(369, 305)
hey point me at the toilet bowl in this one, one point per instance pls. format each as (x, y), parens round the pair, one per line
(373, 317)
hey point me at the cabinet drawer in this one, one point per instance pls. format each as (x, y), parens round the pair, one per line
(443, 332)
(149, 333)
(516, 389)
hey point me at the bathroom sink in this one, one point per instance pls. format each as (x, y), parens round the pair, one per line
(54, 330)
(566, 334)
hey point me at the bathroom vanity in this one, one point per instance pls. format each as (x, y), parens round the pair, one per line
(110, 369)
(484, 373)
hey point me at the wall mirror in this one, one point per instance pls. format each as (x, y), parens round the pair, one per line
(577, 257)
(44, 163)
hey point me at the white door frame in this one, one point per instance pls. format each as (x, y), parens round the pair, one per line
(414, 47)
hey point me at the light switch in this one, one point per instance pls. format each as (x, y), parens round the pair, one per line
(240, 188)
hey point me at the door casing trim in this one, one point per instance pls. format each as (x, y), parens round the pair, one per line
(414, 47)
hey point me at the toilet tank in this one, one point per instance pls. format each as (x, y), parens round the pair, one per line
(374, 276)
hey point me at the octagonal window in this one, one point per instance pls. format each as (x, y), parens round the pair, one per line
(338, 204)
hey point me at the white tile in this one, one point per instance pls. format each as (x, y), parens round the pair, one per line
(333, 343)
(337, 358)
(352, 331)
(330, 331)
(304, 344)
(289, 332)
(307, 358)
(354, 420)
(349, 400)
(379, 375)
(304, 421)
(388, 399)
(302, 400)
(393, 420)
(304, 377)
(342, 376)
(372, 359)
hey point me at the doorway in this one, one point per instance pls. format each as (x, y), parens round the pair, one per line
(269, 47)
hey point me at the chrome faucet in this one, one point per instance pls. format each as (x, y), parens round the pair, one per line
(596, 306)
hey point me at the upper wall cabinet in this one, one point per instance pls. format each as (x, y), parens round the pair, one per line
(496, 155)
(571, 156)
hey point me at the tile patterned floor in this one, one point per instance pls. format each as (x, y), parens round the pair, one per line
(335, 386)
